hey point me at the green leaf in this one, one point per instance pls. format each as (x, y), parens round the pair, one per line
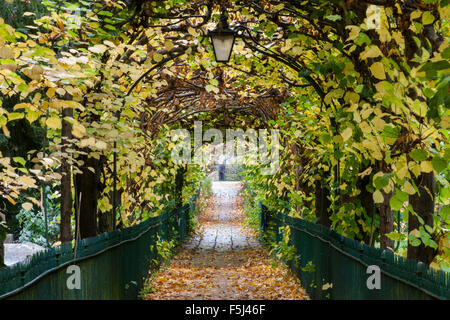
(381, 181)
(446, 53)
(445, 212)
(324, 138)
(6, 34)
(447, 154)
(413, 241)
(20, 160)
(32, 116)
(432, 244)
(434, 66)
(15, 115)
(362, 38)
(439, 164)
(396, 236)
(395, 203)
(427, 18)
(105, 13)
(390, 131)
(418, 155)
(397, 200)
(334, 17)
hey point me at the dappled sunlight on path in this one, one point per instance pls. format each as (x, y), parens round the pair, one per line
(224, 261)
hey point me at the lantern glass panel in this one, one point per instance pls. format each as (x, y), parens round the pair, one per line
(223, 45)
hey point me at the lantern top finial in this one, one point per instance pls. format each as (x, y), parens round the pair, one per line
(222, 27)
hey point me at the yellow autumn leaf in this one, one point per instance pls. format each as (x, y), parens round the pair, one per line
(101, 144)
(415, 14)
(415, 233)
(378, 123)
(157, 57)
(6, 131)
(27, 181)
(378, 196)
(98, 48)
(51, 92)
(78, 130)
(371, 52)
(297, 50)
(6, 53)
(354, 32)
(426, 166)
(377, 70)
(347, 133)
(34, 72)
(445, 121)
(327, 286)
(10, 199)
(352, 97)
(61, 91)
(192, 31)
(27, 206)
(53, 123)
(169, 45)
(87, 142)
(408, 188)
(109, 43)
(365, 128)
(22, 106)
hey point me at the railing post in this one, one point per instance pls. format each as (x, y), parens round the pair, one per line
(419, 272)
(114, 195)
(361, 251)
(262, 220)
(57, 256)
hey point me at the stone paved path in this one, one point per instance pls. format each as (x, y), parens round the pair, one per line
(220, 231)
(223, 261)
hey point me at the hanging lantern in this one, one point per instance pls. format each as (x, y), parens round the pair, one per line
(222, 38)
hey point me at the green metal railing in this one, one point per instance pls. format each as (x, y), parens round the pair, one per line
(325, 257)
(112, 265)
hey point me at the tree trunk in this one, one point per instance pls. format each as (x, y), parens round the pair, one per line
(322, 204)
(423, 205)
(87, 187)
(386, 222)
(366, 201)
(66, 183)
(106, 219)
(179, 182)
(298, 187)
(2, 253)
(302, 186)
(2, 245)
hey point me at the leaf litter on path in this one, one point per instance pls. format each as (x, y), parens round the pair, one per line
(230, 266)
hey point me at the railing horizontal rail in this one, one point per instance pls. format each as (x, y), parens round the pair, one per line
(343, 262)
(113, 265)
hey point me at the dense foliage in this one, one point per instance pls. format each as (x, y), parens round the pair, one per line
(357, 89)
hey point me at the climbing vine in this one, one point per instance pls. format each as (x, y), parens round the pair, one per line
(357, 89)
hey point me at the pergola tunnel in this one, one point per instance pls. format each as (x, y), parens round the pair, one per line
(224, 149)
